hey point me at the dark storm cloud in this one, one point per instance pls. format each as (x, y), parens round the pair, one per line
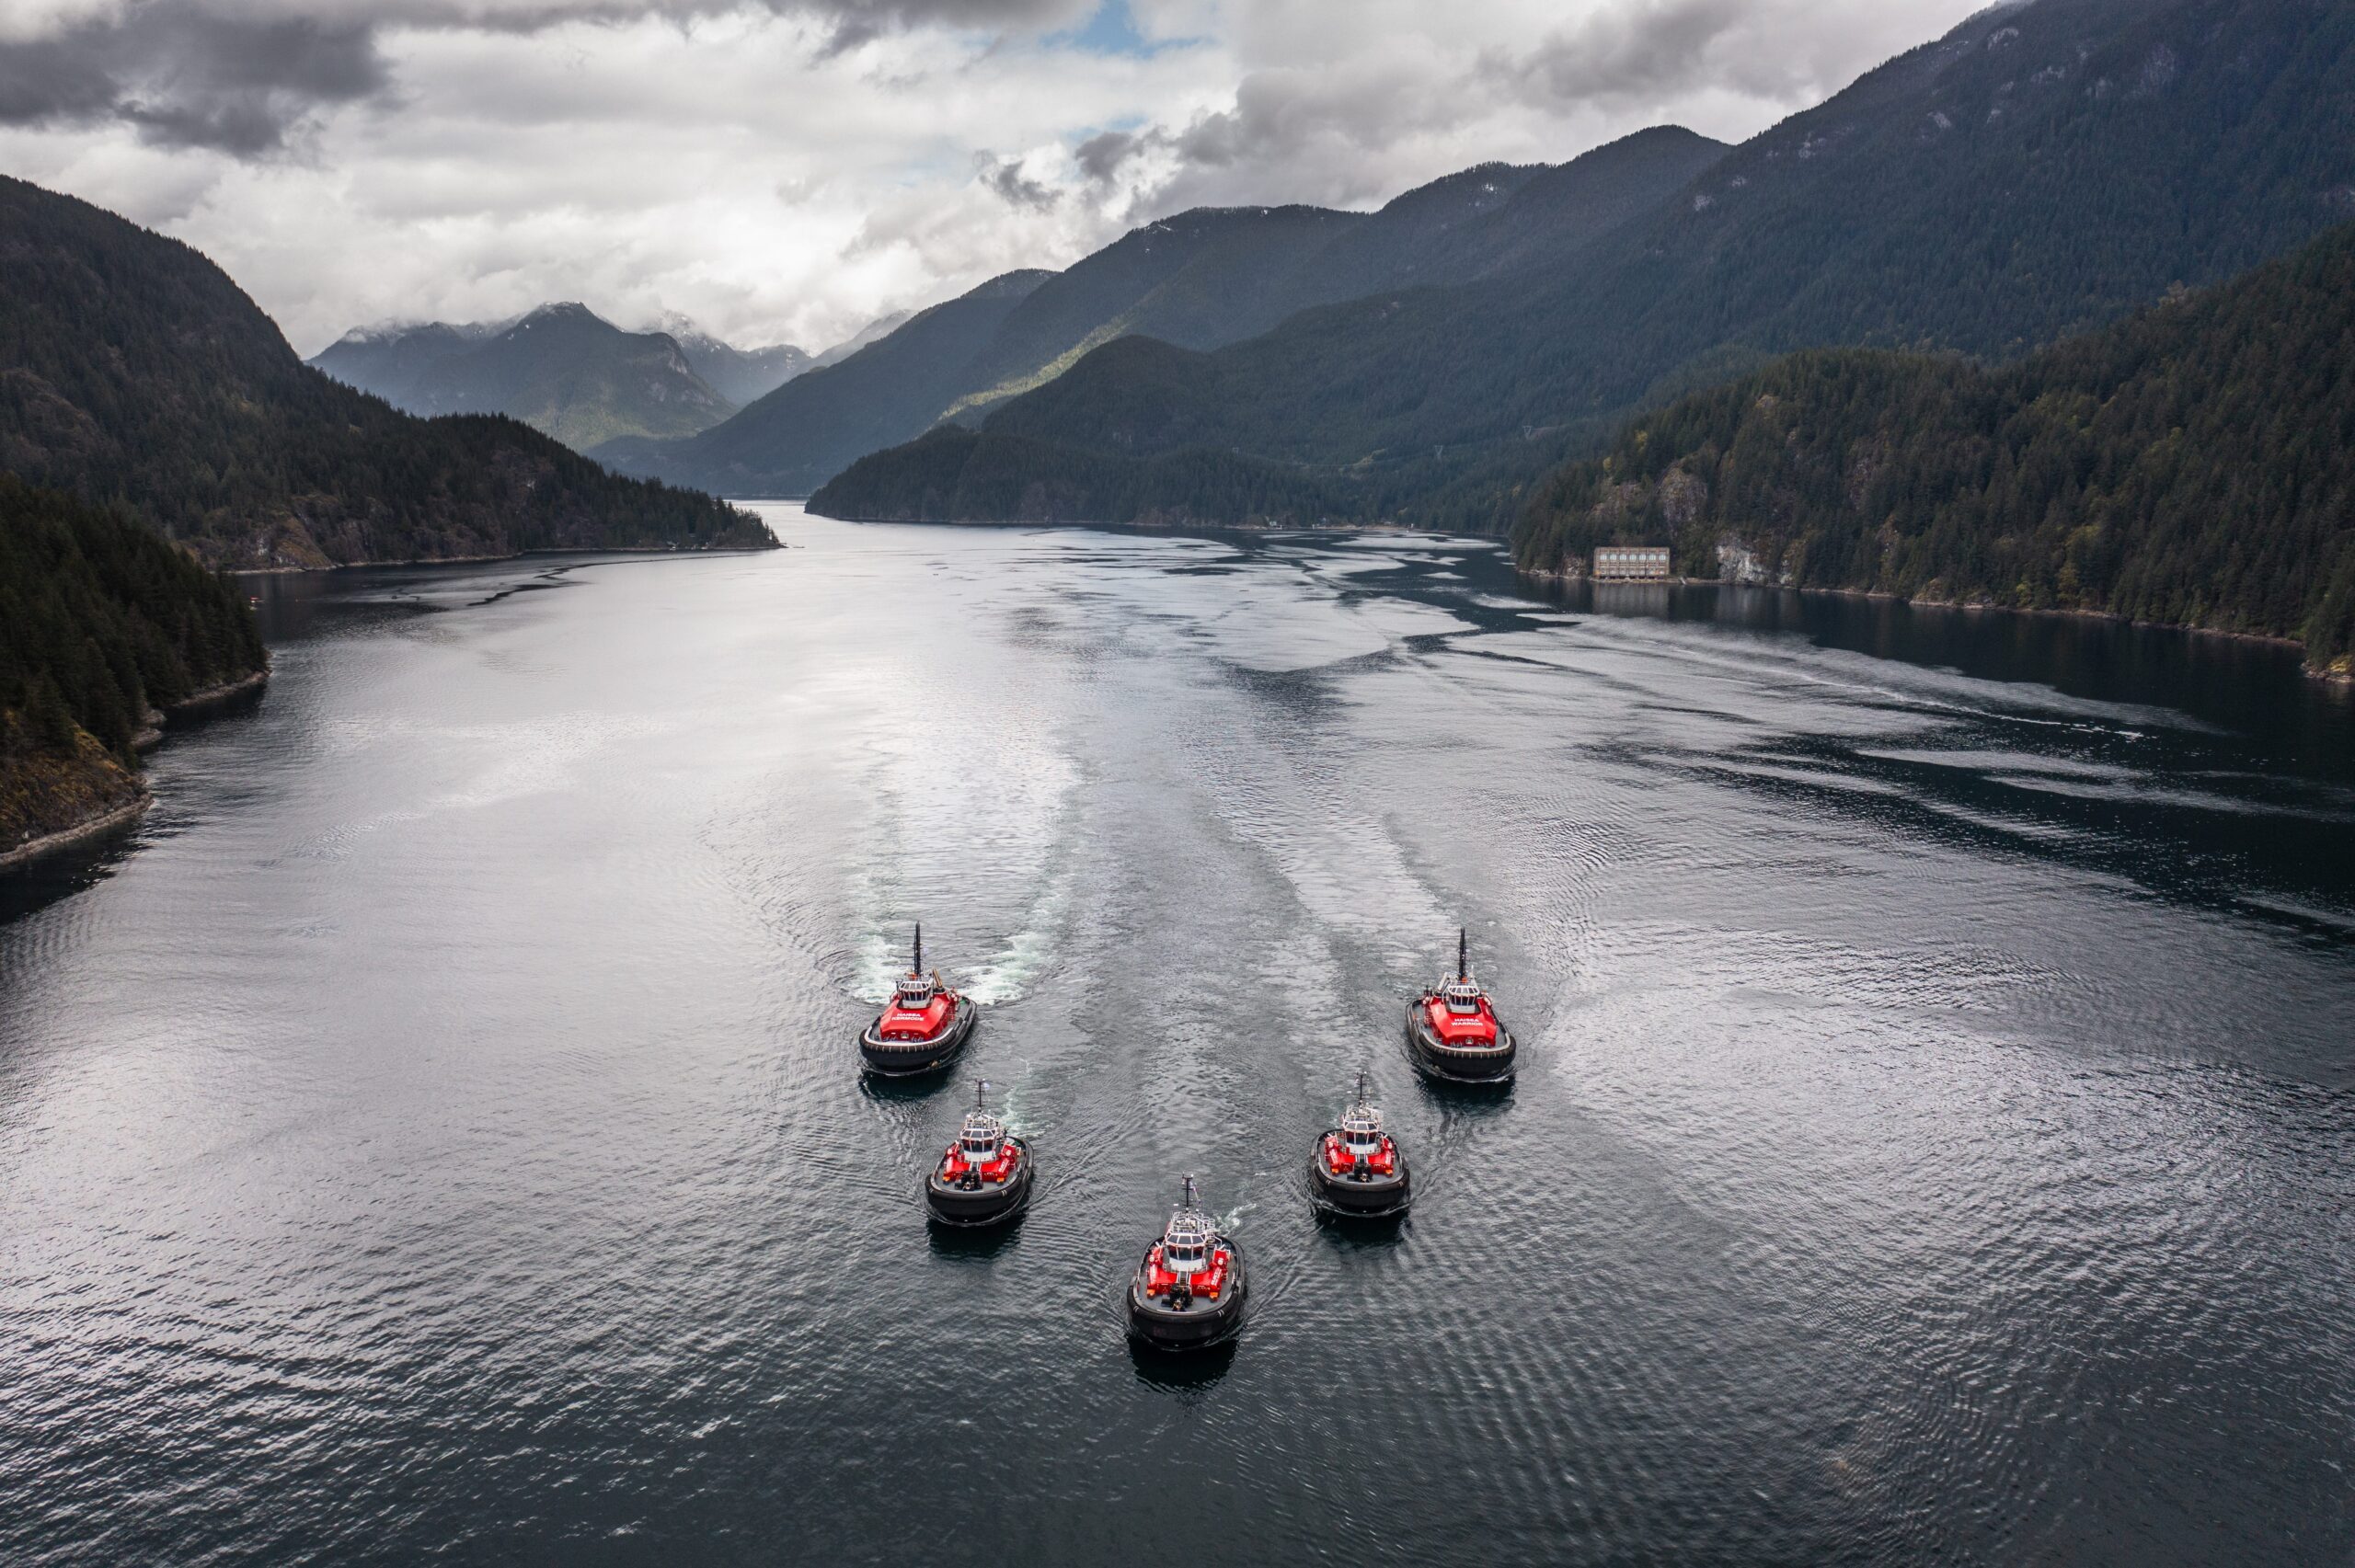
(51, 80)
(226, 74)
(1100, 157)
(187, 76)
(1634, 52)
(1004, 176)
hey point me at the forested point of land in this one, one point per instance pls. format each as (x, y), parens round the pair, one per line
(2191, 465)
(134, 373)
(102, 621)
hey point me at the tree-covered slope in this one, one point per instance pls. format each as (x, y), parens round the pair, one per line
(790, 442)
(2040, 170)
(1201, 278)
(952, 474)
(1198, 279)
(2193, 465)
(133, 372)
(1495, 221)
(101, 620)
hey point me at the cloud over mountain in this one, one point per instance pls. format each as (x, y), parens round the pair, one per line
(790, 168)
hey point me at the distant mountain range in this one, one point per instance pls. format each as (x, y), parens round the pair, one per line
(1200, 279)
(134, 373)
(792, 439)
(564, 371)
(739, 375)
(2038, 172)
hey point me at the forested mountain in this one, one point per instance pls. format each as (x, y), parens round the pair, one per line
(2193, 465)
(1200, 279)
(787, 443)
(562, 370)
(133, 371)
(2040, 170)
(101, 620)
(1192, 278)
(955, 474)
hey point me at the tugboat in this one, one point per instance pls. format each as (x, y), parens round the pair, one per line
(1358, 1171)
(923, 1029)
(1188, 1292)
(985, 1179)
(1454, 1035)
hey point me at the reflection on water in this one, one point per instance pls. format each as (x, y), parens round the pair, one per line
(435, 1132)
(2254, 688)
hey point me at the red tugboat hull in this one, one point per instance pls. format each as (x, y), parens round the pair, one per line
(1375, 1195)
(1488, 1063)
(892, 1058)
(1198, 1325)
(988, 1203)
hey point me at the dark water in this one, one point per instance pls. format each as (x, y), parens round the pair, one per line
(434, 1134)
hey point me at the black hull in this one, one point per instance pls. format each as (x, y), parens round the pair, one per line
(909, 1059)
(1197, 1327)
(1378, 1197)
(1488, 1067)
(972, 1207)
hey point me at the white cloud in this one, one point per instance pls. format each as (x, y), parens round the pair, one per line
(790, 168)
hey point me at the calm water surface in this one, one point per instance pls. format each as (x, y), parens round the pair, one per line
(435, 1134)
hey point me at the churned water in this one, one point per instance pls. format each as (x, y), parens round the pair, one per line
(435, 1134)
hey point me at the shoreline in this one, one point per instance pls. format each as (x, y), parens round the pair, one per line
(81, 832)
(196, 706)
(2327, 676)
(590, 550)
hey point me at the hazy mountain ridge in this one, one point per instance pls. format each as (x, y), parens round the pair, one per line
(1201, 278)
(790, 441)
(880, 327)
(2035, 173)
(133, 372)
(561, 368)
(739, 375)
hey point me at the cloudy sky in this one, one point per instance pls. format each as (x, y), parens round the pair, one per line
(788, 169)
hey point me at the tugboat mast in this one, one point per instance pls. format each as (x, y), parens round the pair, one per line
(1462, 952)
(916, 965)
